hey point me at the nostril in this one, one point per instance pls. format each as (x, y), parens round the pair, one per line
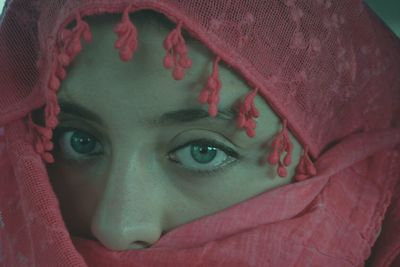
(139, 245)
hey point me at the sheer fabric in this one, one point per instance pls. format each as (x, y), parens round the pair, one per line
(330, 71)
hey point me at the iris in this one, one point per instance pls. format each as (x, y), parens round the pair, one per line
(203, 153)
(82, 143)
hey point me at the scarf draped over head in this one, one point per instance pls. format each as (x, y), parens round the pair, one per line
(329, 70)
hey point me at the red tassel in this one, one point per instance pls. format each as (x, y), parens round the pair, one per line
(47, 157)
(41, 140)
(69, 45)
(210, 93)
(42, 135)
(281, 144)
(72, 39)
(177, 53)
(55, 83)
(247, 113)
(282, 172)
(306, 168)
(127, 42)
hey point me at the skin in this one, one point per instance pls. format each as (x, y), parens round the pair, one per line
(140, 181)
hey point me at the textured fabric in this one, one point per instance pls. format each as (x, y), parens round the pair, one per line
(329, 69)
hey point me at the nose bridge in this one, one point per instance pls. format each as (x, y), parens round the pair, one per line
(130, 212)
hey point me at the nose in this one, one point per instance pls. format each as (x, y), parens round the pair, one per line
(130, 213)
(126, 238)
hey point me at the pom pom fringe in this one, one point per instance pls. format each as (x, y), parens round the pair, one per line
(281, 144)
(71, 40)
(306, 168)
(41, 140)
(247, 113)
(68, 47)
(177, 53)
(127, 42)
(210, 93)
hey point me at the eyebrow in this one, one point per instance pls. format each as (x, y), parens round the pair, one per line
(167, 118)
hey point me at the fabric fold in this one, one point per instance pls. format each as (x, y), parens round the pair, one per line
(312, 211)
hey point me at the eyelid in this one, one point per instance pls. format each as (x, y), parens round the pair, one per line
(229, 151)
(191, 134)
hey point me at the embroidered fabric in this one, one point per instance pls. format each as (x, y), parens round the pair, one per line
(329, 69)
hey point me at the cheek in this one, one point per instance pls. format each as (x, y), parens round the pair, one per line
(245, 181)
(78, 190)
(241, 182)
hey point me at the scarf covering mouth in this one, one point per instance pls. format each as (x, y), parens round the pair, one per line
(329, 70)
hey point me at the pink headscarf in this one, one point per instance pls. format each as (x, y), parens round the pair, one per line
(329, 69)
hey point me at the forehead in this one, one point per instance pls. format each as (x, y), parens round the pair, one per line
(100, 81)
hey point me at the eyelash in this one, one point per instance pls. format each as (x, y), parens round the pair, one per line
(232, 155)
(211, 143)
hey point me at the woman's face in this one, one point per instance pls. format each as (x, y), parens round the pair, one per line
(137, 155)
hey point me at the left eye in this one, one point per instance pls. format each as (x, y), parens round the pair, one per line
(203, 155)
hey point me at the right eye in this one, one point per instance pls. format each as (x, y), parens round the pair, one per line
(76, 144)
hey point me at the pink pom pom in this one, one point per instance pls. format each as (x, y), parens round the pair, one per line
(273, 158)
(39, 147)
(126, 54)
(167, 44)
(212, 83)
(64, 59)
(47, 157)
(185, 62)
(287, 159)
(178, 73)
(55, 83)
(76, 47)
(61, 73)
(250, 132)
(48, 145)
(52, 122)
(282, 171)
(87, 36)
(168, 61)
(251, 123)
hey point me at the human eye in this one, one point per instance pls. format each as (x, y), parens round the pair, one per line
(203, 155)
(76, 144)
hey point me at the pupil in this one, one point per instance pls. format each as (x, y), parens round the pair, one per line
(203, 153)
(82, 143)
